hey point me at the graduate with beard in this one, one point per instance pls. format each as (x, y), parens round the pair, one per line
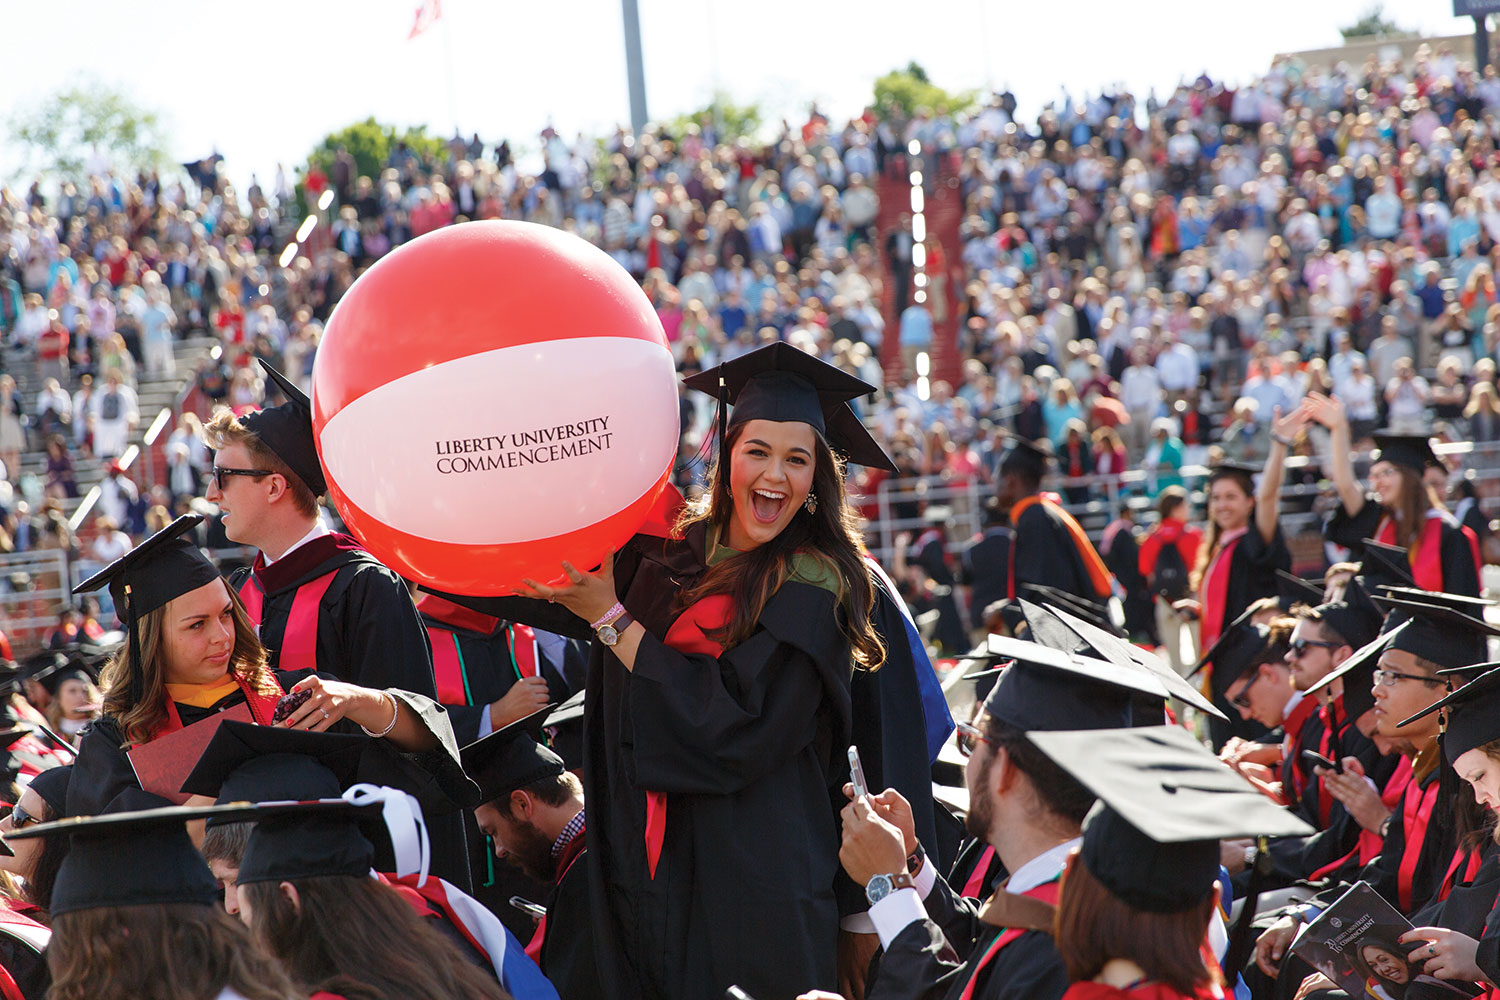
(736, 644)
(532, 811)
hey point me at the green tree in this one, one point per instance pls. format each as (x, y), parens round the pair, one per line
(731, 120)
(1373, 24)
(370, 143)
(63, 129)
(910, 88)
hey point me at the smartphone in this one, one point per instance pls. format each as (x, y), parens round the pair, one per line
(1336, 766)
(735, 993)
(288, 704)
(857, 773)
(534, 910)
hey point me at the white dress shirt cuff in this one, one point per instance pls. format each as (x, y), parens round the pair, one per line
(895, 913)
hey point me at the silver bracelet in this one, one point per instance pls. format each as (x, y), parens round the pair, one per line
(395, 714)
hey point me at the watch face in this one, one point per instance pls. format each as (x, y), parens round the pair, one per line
(608, 635)
(878, 888)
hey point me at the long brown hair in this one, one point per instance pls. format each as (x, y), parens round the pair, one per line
(1094, 925)
(350, 926)
(831, 535)
(172, 951)
(140, 721)
(1415, 499)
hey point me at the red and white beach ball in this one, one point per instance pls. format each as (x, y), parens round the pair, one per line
(491, 399)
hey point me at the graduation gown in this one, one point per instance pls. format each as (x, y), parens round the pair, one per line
(986, 569)
(977, 871)
(566, 954)
(1454, 569)
(930, 553)
(367, 630)
(740, 743)
(1046, 551)
(980, 961)
(102, 770)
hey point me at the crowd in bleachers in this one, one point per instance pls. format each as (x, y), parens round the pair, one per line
(1134, 278)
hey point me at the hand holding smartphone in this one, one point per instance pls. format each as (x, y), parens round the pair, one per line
(857, 773)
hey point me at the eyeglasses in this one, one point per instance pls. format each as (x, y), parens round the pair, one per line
(1242, 700)
(220, 472)
(1388, 678)
(968, 739)
(1300, 646)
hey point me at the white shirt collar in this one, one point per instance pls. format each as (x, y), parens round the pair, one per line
(319, 529)
(1041, 868)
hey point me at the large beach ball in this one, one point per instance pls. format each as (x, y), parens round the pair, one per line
(491, 399)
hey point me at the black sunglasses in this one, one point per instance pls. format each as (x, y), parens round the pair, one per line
(1242, 700)
(220, 472)
(20, 817)
(1300, 646)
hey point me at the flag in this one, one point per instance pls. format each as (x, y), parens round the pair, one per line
(428, 13)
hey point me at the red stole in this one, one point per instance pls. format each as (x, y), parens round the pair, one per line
(448, 668)
(688, 634)
(981, 868)
(1368, 846)
(1426, 555)
(1047, 893)
(1215, 588)
(570, 853)
(299, 642)
(1099, 576)
(1291, 746)
(1416, 812)
(1089, 990)
(262, 707)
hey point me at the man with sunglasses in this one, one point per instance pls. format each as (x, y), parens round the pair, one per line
(1028, 809)
(319, 599)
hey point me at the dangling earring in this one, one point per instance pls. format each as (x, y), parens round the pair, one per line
(811, 503)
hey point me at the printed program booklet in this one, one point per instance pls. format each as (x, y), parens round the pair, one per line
(1355, 942)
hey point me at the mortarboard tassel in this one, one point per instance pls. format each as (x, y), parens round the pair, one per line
(723, 428)
(137, 669)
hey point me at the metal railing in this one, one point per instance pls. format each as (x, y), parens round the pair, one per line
(1110, 493)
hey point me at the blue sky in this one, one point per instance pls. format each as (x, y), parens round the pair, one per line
(264, 81)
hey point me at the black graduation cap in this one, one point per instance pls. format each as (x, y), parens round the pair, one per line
(1385, 565)
(564, 729)
(1026, 456)
(780, 383)
(244, 762)
(511, 757)
(1055, 626)
(1440, 632)
(164, 566)
(1164, 805)
(52, 786)
(1354, 623)
(308, 840)
(1412, 451)
(1294, 589)
(1357, 597)
(1046, 688)
(73, 668)
(1079, 607)
(1239, 647)
(134, 853)
(288, 432)
(1471, 714)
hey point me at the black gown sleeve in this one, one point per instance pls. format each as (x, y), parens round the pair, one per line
(920, 965)
(379, 634)
(713, 726)
(1350, 531)
(101, 771)
(1460, 575)
(568, 949)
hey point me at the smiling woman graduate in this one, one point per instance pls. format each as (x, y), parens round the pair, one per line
(733, 660)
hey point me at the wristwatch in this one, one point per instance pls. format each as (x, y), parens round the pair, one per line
(881, 886)
(609, 633)
(1251, 854)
